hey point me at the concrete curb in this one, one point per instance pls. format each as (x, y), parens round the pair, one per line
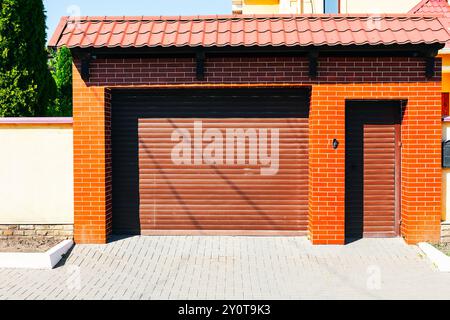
(47, 260)
(441, 260)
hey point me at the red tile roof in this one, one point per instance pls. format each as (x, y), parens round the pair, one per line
(220, 31)
(431, 6)
(440, 7)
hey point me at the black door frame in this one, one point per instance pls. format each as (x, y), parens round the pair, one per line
(135, 229)
(401, 105)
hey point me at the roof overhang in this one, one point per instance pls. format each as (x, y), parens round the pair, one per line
(418, 50)
(300, 33)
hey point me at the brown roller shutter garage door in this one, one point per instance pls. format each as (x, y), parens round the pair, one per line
(210, 161)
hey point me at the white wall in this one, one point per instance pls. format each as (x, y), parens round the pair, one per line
(313, 6)
(378, 6)
(36, 174)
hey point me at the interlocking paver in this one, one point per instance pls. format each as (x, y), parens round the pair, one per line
(233, 268)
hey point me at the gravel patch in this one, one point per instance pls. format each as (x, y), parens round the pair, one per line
(444, 247)
(28, 245)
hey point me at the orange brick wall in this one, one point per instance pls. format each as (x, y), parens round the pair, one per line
(92, 165)
(421, 158)
(340, 78)
(421, 163)
(326, 165)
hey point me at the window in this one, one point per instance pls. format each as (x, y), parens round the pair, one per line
(445, 104)
(331, 6)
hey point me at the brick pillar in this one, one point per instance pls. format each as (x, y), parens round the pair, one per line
(92, 163)
(421, 164)
(327, 166)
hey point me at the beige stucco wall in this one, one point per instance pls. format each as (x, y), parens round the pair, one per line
(316, 6)
(446, 179)
(36, 174)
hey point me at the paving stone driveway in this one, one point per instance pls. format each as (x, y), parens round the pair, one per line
(233, 268)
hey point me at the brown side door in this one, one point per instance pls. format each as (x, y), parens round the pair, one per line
(372, 169)
(153, 194)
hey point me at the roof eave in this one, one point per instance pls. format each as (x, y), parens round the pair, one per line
(422, 49)
(53, 43)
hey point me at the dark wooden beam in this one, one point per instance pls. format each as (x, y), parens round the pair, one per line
(356, 51)
(428, 52)
(430, 70)
(86, 66)
(430, 61)
(313, 64)
(200, 69)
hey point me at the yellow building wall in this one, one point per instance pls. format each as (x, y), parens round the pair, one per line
(36, 174)
(261, 7)
(446, 82)
(316, 6)
(445, 72)
(446, 179)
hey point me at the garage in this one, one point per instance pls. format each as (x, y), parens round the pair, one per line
(325, 126)
(233, 176)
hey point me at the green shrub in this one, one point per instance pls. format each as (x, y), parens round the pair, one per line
(26, 85)
(61, 69)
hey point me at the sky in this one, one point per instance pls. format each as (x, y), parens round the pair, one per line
(57, 8)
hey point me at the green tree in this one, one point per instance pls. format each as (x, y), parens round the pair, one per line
(61, 69)
(26, 85)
